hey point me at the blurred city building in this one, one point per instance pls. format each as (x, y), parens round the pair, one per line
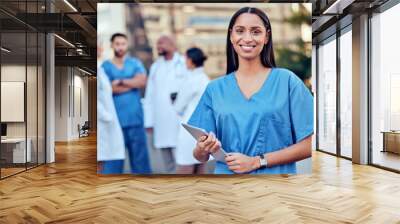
(197, 24)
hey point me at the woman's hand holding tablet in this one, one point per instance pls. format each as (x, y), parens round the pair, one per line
(209, 143)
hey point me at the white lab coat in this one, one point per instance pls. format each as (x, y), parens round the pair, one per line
(110, 140)
(188, 97)
(164, 78)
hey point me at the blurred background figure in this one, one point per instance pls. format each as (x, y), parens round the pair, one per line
(187, 99)
(161, 120)
(128, 75)
(110, 141)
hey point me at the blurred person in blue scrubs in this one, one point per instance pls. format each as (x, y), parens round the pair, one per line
(261, 115)
(128, 75)
(110, 140)
(161, 120)
(188, 97)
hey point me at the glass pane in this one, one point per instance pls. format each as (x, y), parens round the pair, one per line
(32, 97)
(327, 97)
(385, 89)
(346, 94)
(313, 89)
(13, 87)
(41, 98)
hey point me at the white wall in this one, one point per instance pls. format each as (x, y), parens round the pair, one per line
(61, 103)
(79, 117)
(71, 87)
(17, 73)
(13, 73)
(33, 126)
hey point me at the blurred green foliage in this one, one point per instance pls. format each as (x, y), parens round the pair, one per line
(297, 57)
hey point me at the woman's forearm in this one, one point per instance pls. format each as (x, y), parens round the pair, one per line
(201, 157)
(293, 153)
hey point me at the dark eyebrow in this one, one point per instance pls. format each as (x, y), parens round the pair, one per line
(253, 27)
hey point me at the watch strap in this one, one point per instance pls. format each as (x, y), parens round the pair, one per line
(263, 161)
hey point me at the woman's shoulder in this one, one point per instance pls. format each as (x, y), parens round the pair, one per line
(287, 75)
(220, 81)
(284, 71)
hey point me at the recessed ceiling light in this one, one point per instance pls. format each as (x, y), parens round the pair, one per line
(70, 5)
(5, 50)
(337, 7)
(64, 40)
(84, 71)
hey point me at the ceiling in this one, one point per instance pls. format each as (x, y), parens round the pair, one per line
(74, 22)
(330, 15)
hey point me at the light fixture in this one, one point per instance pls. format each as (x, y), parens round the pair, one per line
(70, 5)
(86, 72)
(64, 40)
(5, 50)
(337, 7)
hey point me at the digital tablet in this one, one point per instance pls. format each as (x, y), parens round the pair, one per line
(197, 133)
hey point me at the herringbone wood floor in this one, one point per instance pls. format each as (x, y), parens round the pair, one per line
(70, 191)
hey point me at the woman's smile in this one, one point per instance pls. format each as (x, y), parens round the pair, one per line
(247, 48)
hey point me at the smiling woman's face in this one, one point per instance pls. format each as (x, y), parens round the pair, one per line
(248, 36)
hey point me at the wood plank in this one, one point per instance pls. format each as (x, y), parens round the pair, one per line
(70, 191)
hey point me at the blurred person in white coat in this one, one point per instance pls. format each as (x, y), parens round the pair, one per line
(160, 118)
(110, 140)
(187, 99)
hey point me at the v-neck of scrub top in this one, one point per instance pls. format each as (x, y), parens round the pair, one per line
(116, 67)
(259, 91)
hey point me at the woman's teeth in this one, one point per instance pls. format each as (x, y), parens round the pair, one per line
(247, 47)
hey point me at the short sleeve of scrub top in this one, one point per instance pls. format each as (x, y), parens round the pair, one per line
(140, 69)
(301, 102)
(203, 116)
(278, 115)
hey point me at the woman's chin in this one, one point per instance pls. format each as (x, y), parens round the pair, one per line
(248, 57)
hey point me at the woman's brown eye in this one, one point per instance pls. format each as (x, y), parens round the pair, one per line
(239, 31)
(256, 32)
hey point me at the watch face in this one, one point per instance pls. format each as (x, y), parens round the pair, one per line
(263, 162)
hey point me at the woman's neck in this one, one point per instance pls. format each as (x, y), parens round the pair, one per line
(250, 67)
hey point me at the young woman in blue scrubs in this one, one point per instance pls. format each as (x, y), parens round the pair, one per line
(261, 115)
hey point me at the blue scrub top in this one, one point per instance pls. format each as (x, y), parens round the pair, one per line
(278, 115)
(128, 105)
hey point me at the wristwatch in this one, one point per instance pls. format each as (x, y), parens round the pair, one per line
(263, 161)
